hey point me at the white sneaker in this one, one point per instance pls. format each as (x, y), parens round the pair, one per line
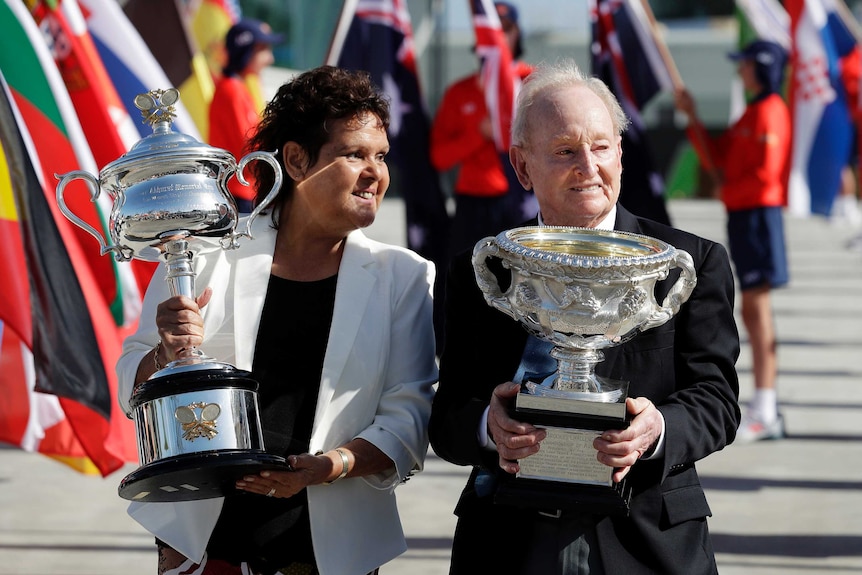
(845, 210)
(751, 429)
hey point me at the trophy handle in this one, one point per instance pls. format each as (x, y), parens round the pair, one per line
(678, 294)
(486, 280)
(93, 184)
(231, 241)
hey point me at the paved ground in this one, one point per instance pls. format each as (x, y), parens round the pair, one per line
(785, 507)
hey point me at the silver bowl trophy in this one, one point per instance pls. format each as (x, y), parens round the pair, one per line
(578, 291)
(197, 423)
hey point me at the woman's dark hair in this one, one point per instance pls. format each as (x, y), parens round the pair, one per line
(299, 113)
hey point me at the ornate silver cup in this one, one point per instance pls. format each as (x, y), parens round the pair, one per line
(580, 290)
(170, 202)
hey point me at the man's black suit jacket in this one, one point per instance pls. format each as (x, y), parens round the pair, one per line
(686, 367)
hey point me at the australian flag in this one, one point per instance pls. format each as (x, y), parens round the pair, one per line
(625, 56)
(376, 36)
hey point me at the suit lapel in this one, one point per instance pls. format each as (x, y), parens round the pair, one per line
(626, 221)
(357, 278)
(252, 279)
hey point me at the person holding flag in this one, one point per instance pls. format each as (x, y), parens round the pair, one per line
(462, 136)
(753, 158)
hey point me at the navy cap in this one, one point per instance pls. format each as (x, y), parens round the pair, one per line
(768, 58)
(508, 11)
(248, 32)
(761, 52)
(241, 40)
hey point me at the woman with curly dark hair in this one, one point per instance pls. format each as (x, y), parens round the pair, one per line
(337, 330)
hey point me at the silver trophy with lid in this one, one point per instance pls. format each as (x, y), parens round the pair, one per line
(578, 290)
(197, 422)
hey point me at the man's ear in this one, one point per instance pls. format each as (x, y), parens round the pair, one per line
(295, 160)
(518, 158)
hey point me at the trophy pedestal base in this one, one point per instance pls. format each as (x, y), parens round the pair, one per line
(555, 497)
(565, 473)
(193, 477)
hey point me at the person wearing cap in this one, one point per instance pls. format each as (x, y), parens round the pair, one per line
(752, 161)
(462, 138)
(234, 112)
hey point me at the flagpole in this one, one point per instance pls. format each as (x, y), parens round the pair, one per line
(341, 29)
(662, 47)
(678, 84)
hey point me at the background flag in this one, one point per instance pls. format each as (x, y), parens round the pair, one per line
(72, 336)
(501, 83)
(108, 129)
(60, 359)
(376, 36)
(52, 120)
(130, 63)
(626, 57)
(498, 76)
(165, 27)
(764, 20)
(822, 126)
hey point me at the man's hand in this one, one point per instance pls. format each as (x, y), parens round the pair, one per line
(622, 448)
(514, 439)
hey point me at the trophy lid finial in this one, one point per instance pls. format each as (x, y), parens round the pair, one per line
(157, 105)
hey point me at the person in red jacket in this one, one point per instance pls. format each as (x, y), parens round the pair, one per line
(846, 206)
(461, 137)
(233, 112)
(752, 159)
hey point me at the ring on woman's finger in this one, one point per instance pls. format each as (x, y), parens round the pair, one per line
(271, 492)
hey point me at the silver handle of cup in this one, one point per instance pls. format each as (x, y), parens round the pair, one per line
(120, 254)
(231, 241)
(678, 294)
(485, 278)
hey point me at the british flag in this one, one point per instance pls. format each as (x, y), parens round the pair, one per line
(498, 76)
(626, 57)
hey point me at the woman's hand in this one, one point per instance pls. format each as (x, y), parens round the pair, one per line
(304, 470)
(181, 327)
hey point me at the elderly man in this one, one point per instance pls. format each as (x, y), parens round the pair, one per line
(683, 387)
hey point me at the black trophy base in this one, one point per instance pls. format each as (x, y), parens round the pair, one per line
(556, 498)
(198, 476)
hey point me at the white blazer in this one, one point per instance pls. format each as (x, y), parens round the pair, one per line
(376, 384)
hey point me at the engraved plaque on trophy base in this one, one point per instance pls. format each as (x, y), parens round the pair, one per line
(565, 473)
